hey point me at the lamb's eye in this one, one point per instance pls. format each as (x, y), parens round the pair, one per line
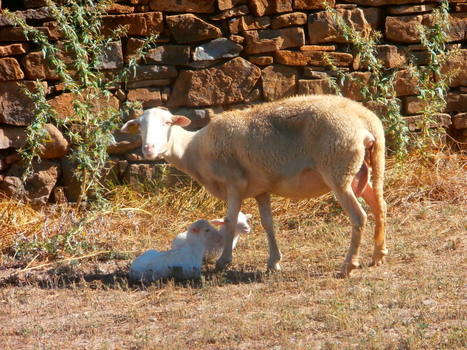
(207, 230)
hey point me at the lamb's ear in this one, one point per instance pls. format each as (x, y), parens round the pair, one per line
(217, 222)
(180, 120)
(131, 126)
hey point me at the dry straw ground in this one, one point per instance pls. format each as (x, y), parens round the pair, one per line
(63, 274)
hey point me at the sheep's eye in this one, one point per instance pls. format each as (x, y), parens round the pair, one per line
(207, 230)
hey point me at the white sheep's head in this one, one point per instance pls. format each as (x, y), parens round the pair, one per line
(200, 228)
(154, 125)
(242, 223)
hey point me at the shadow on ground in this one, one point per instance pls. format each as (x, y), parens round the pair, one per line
(114, 275)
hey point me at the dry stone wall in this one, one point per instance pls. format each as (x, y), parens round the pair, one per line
(215, 55)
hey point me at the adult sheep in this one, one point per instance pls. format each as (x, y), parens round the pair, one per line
(298, 147)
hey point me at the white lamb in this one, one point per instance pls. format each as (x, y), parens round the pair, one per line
(183, 262)
(215, 240)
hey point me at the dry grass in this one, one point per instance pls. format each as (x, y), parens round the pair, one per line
(63, 281)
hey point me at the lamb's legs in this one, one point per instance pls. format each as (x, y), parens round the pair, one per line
(378, 208)
(264, 205)
(233, 207)
(358, 217)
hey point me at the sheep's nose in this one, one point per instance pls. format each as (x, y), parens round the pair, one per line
(148, 147)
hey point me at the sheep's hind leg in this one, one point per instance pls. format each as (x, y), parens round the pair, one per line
(378, 207)
(264, 205)
(358, 217)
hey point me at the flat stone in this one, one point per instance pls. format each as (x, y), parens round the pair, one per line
(13, 49)
(225, 84)
(195, 6)
(228, 4)
(169, 54)
(149, 83)
(282, 38)
(456, 67)
(413, 105)
(316, 58)
(120, 9)
(16, 34)
(143, 24)
(289, 20)
(233, 12)
(34, 3)
(37, 187)
(10, 69)
(113, 56)
(278, 82)
(188, 28)
(405, 84)
(36, 67)
(270, 7)
(12, 136)
(318, 48)
(353, 84)
(149, 97)
(217, 48)
(410, 9)
(415, 122)
(63, 104)
(391, 56)
(322, 29)
(311, 4)
(459, 121)
(261, 60)
(456, 102)
(383, 2)
(315, 87)
(404, 29)
(15, 107)
(153, 72)
(245, 23)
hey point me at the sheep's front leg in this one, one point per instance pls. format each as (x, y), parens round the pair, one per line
(264, 205)
(233, 207)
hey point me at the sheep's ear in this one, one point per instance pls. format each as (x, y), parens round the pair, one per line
(217, 222)
(131, 127)
(180, 120)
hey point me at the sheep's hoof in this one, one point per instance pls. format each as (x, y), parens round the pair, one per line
(222, 264)
(273, 267)
(378, 257)
(347, 268)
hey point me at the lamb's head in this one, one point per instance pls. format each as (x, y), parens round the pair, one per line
(242, 223)
(154, 125)
(201, 229)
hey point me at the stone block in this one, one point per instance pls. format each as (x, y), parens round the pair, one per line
(459, 121)
(216, 49)
(142, 24)
(311, 4)
(195, 6)
(278, 81)
(229, 83)
(36, 67)
(15, 107)
(10, 69)
(169, 54)
(233, 12)
(245, 23)
(13, 49)
(188, 28)
(270, 7)
(289, 20)
(228, 4)
(315, 87)
(282, 38)
(149, 97)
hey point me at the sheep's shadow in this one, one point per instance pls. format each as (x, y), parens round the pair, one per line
(69, 276)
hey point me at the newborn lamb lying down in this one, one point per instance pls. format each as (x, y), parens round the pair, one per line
(182, 263)
(215, 241)
(184, 260)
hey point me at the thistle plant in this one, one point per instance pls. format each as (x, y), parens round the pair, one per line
(380, 87)
(433, 84)
(78, 63)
